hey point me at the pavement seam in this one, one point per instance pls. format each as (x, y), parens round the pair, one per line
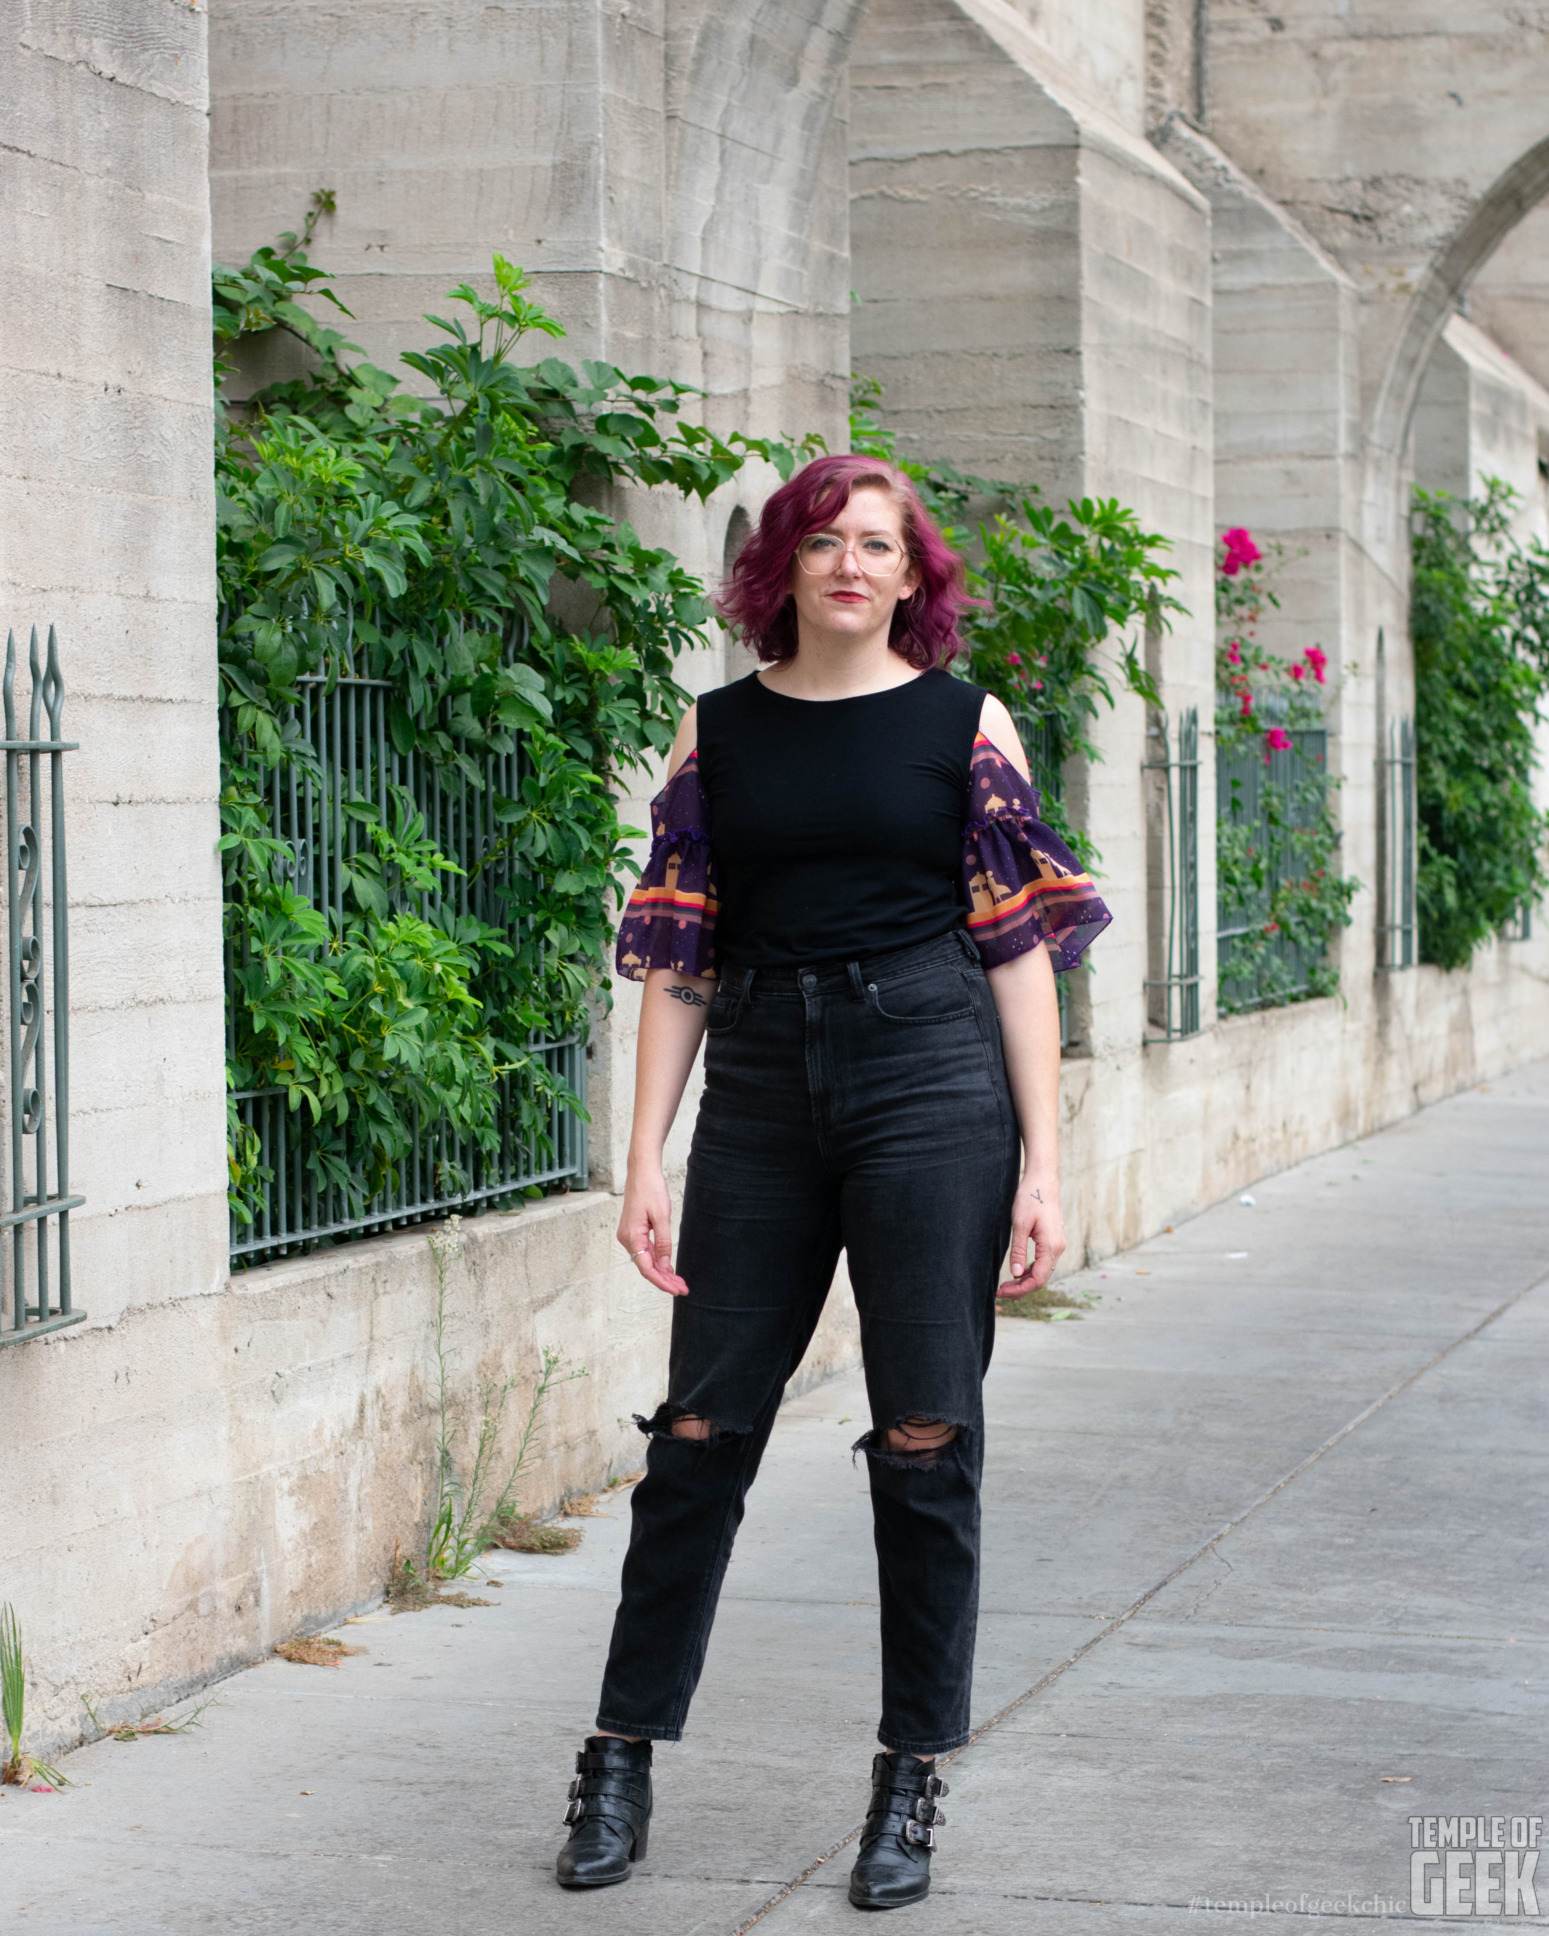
(1123, 1619)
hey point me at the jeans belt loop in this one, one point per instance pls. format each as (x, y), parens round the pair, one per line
(966, 941)
(857, 987)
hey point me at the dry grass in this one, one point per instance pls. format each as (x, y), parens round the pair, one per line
(1045, 1306)
(586, 1505)
(408, 1591)
(311, 1650)
(527, 1536)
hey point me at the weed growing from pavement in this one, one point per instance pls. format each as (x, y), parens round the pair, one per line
(464, 1525)
(19, 1770)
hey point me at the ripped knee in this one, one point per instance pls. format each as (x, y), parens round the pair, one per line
(673, 1422)
(919, 1435)
(913, 1444)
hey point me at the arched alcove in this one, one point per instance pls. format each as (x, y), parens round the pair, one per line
(1512, 196)
(739, 528)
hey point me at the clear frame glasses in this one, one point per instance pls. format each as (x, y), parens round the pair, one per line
(821, 553)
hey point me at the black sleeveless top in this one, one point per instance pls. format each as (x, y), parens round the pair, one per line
(836, 825)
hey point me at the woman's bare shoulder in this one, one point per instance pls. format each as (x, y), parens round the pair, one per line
(686, 740)
(995, 724)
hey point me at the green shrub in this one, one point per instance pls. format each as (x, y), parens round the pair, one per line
(443, 538)
(1480, 620)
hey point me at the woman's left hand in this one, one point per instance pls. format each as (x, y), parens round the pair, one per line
(1036, 1223)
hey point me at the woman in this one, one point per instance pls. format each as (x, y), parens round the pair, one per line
(849, 897)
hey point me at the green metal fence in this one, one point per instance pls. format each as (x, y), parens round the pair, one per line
(1397, 931)
(1172, 987)
(1260, 799)
(343, 719)
(35, 1296)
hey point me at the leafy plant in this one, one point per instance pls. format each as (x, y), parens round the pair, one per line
(452, 548)
(466, 1521)
(1277, 882)
(1051, 590)
(18, 1768)
(1480, 618)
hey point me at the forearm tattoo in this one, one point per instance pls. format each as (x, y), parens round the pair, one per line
(690, 997)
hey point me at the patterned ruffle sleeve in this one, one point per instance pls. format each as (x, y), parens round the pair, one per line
(1022, 884)
(670, 919)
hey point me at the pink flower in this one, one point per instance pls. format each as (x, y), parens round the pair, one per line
(1318, 660)
(1241, 551)
(1278, 740)
(1013, 658)
(1298, 672)
(1234, 653)
(1037, 685)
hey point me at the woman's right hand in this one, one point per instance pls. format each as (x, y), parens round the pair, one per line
(645, 1229)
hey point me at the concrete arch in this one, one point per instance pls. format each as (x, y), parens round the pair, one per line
(1514, 194)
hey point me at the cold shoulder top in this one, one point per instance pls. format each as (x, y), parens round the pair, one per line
(812, 830)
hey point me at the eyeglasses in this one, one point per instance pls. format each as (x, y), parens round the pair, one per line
(822, 552)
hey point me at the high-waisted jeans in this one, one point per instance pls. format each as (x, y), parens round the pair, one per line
(861, 1106)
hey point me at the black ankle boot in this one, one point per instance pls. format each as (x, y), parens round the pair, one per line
(893, 1867)
(609, 1812)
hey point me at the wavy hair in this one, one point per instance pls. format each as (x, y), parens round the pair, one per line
(756, 599)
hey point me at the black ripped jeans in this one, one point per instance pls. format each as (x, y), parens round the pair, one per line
(862, 1107)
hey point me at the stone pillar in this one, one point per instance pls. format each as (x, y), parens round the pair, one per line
(107, 531)
(1035, 287)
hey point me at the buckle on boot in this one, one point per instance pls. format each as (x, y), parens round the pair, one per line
(575, 1812)
(575, 1788)
(915, 1832)
(928, 1813)
(935, 1786)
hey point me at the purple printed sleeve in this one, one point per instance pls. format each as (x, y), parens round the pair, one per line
(1022, 884)
(670, 919)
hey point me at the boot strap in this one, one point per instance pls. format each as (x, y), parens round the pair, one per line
(614, 1795)
(589, 1762)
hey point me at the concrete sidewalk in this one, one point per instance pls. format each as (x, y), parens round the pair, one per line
(1265, 1576)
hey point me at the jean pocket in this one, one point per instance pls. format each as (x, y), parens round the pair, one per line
(725, 1009)
(942, 995)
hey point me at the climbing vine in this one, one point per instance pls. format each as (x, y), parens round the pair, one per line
(1480, 618)
(444, 545)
